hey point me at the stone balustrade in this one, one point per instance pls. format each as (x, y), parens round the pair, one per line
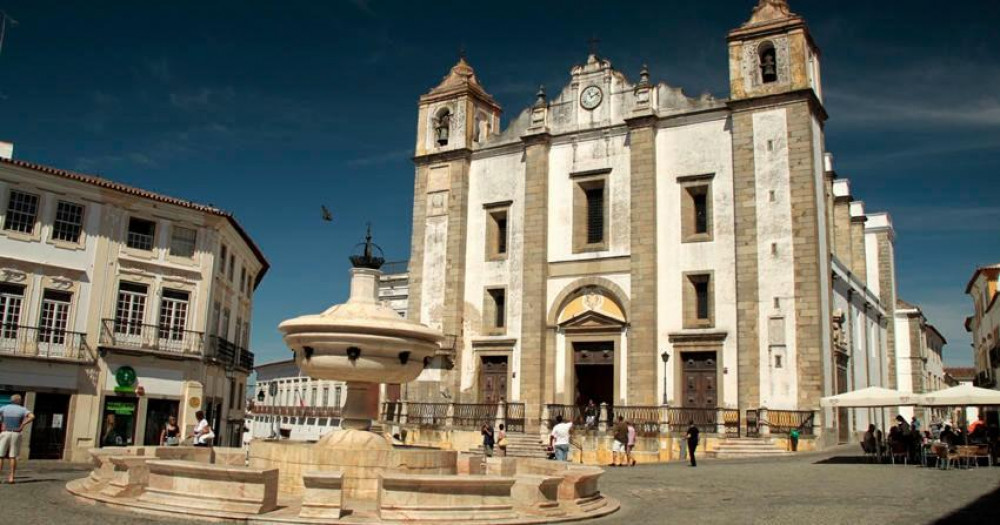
(324, 496)
(214, 488)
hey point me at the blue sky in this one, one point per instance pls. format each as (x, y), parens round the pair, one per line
(270, 109)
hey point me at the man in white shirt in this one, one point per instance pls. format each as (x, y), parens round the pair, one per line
(559, 439)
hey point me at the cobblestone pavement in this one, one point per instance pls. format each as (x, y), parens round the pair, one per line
(827, 488)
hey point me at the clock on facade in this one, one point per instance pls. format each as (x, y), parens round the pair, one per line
(591, 97)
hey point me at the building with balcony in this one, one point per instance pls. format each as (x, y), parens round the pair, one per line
(393, 286)
(120, 307)
(289, 404)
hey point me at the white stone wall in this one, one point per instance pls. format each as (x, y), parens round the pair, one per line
(775, 260)
(493, 179)
(698, 148)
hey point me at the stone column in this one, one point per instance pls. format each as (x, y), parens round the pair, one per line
(534, 362)
(642, 354)
(602, 422)
(403, 409)
(763, 425)
(449, 417)
(720, 421)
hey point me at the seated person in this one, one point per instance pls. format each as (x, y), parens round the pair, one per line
(869, 443)
(948, 436)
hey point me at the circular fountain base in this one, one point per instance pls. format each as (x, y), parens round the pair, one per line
(360, 455)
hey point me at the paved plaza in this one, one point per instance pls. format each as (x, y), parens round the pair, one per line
(829, 487)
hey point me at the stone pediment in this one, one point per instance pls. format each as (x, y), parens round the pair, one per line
(592, 320)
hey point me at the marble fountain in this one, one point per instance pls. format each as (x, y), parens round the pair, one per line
(351, 475)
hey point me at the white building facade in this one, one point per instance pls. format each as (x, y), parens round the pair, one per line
(291, 405)
(119, 307)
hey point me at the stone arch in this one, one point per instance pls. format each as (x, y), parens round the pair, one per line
(571, 290)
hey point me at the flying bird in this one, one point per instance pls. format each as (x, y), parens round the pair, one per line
(327, 216)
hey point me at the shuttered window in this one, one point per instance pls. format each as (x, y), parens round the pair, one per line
(595, 215)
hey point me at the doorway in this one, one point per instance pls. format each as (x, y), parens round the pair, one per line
(118, 423)
(48, 431)
(700, 380)
(157, 413)
(594, 365)
(492, 378)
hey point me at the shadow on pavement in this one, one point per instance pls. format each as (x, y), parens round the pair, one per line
(978, 511)
(844, 460)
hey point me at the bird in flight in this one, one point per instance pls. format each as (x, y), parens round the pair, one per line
(327, 216)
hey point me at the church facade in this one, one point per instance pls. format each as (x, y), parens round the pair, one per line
(624, 243)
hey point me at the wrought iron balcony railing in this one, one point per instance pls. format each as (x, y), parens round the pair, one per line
(136, 336)
(229, 353)
(46, 343)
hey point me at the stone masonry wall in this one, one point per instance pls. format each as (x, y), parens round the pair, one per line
(642, 348)
(747, 309)
(534, 351)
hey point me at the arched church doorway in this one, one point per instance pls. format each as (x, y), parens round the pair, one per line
(594, 371)
(591, 348)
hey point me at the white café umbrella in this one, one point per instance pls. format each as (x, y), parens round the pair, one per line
(871, 397)
(958, 396)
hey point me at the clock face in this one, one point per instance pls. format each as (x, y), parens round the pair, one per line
(591, 97)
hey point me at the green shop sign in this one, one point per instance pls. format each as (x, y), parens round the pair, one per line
(126, 378)
(120, 408)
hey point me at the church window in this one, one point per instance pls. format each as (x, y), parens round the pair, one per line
(696, 208)
(768, 63)
(698, 303)
(777, 360)
(590, 215)
(497, 236)
(495, 311)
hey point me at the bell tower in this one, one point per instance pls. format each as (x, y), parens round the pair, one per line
(772, 53)
(454, 119)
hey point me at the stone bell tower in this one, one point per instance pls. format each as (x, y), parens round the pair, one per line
(782, 252)
(454, 119)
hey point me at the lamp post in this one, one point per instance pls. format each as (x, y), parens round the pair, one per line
(665, 357)
(260, 402)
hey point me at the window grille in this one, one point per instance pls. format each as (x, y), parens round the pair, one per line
(22, 210)
(68, 223)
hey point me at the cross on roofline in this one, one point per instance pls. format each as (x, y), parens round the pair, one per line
(592, 44)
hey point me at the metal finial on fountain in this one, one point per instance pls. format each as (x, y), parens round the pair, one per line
(367, 257)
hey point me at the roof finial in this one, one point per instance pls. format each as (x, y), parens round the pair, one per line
(644, 75)
(461, 51)
(540, 97)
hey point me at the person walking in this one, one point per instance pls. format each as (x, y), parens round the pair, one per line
(502, 441)
(629, 458)
(559, 439)
(171, 433)
(620, 432)
(692, 442)
(793, 439)
(487, 432)
(202, 434)
(14, 418)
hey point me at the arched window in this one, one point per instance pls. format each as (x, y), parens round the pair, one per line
(768, 62)
(442, 126)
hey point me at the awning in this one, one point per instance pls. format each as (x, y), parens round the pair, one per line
(873, 396)
(960, 396)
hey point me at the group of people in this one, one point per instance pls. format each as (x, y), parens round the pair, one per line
(909, 437)
(494, 440)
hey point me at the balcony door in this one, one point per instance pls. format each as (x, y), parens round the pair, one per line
(52, 323)
(130, 310)
(11, 298)
(173, 319)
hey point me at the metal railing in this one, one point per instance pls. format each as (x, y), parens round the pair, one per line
(706, 419)
(395, 267)
(295, 411)
(570, 413)
(784, 421)
(427, 414)
(137, 336)
(646, 419)
(32, 341)
(229, 353)
(753, 423)
(731, 421)
(514, 417)
(468, 416)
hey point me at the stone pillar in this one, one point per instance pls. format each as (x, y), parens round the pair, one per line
(747, 300)
(763, 425)
(544, 423)
(359, 408)
(643, 343)
(720, 421)
(449, 417)
(859, 263)
(403, 410)
(602, 420)
(842, 228)
(665, 420)
(501, 417)
(534, 362)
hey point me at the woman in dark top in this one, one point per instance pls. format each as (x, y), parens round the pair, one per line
(692, 442)
(170, 436)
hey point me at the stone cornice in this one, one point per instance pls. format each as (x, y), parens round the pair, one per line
(780, 99)
(443, 156)
(535, 138)
(697, 337)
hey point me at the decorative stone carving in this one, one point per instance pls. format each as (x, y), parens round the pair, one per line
(769, 10)
(751, 62)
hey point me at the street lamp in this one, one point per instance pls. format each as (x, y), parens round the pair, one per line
(665, 357)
